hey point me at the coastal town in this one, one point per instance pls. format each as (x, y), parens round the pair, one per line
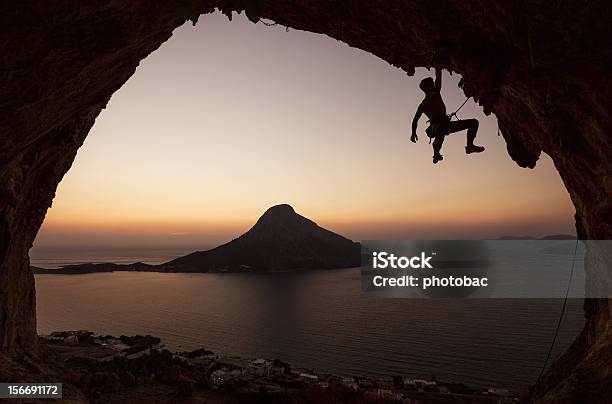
(122, 364)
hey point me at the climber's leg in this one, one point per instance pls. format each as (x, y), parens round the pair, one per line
(472, 127)
(437, 146)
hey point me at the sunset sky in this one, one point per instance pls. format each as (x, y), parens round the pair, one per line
(229, 118)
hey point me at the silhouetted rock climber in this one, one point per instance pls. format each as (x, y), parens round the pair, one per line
(440, 123)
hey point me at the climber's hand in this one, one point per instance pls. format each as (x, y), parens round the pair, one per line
(414, 138)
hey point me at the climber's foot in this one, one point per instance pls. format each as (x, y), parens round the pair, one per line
(474, 149)
(437, 157)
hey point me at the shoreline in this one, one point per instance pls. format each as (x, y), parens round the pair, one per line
(204, 370)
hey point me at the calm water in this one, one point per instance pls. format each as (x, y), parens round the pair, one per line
(317, 320)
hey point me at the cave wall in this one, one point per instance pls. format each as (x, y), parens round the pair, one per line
(542, 67)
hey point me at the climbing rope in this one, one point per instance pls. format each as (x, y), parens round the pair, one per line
(569, 283)
(450, 116)
(454, 114)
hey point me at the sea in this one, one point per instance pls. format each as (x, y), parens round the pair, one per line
(316, 319)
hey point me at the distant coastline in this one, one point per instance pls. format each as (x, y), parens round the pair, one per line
(549, 237)
(89, 268)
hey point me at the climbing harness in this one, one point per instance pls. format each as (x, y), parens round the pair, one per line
(431, 130)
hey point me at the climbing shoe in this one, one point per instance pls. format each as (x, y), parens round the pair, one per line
(437, 157)
(474, 149)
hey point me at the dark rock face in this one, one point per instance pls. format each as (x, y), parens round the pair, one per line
(281, 240)
(542, 68)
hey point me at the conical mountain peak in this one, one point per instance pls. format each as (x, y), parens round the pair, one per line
(281, 240)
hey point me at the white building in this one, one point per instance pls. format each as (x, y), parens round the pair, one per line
(308, 377)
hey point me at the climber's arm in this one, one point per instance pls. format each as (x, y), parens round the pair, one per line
(415, 124)
(438, 79)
